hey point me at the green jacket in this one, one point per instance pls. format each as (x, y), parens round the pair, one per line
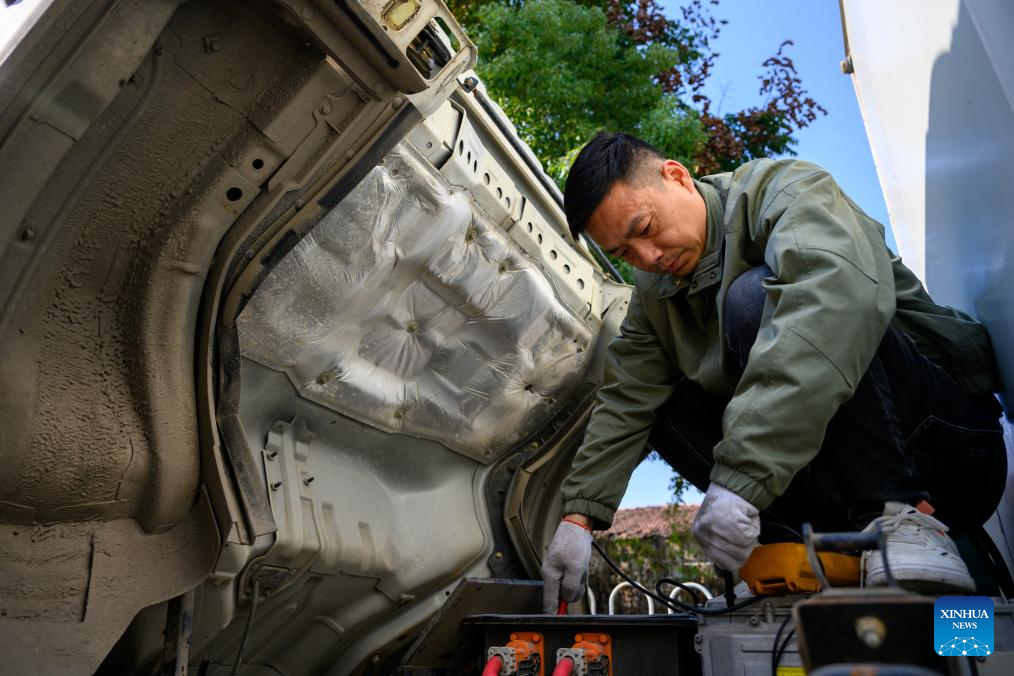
(836, 287)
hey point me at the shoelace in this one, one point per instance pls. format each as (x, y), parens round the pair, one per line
(890, 524)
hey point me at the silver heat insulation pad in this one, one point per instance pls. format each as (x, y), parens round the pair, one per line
(408, 309)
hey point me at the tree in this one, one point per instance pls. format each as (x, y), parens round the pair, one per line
(563, 69)
(561, 73)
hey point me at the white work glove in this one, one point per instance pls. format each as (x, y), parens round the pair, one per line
(726, 527)
(565, 568)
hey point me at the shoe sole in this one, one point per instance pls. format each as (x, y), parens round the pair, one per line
(924, 580)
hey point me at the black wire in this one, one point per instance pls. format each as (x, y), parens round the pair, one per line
(772, 520)
(672, 603)
(776, 654)
(693, 592)
(782, 647)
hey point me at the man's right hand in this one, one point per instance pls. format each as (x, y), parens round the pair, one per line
(565, 568)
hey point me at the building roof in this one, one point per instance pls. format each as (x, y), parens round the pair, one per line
(642, 522)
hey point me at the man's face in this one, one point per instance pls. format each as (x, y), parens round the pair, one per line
(657, 224)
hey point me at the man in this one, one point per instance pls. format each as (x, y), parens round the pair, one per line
(783, 360)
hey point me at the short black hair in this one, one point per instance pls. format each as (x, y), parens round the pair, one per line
(606, 159)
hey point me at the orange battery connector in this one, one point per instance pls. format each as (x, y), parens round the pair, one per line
(524, 655)
(592, 653)
(783, 568)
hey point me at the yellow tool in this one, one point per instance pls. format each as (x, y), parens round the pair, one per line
(782, 568)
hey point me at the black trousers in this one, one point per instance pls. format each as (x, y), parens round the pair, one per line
(909, 433)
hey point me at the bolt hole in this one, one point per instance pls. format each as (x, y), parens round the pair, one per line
(468, 158)
(508, 202)
(233, 194)
(580, 283)
(461, 147)
(539, 238)
(552, 254)
(475, 165)
(485, 179)
(566, 269)
(499, 193)
(258, 163)
(529, 227)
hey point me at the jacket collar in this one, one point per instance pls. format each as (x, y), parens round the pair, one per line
(709, 269)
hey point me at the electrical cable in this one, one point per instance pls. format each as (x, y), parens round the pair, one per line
(776, 654)
(493, 666)
(672, 603)
(564, 667)
(781, 649)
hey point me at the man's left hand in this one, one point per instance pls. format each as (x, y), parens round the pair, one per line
(726, 527)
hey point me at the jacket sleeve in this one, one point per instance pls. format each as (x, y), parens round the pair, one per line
(827, 308)
(639, 377)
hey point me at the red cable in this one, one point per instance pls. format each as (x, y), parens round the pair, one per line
(492, 667)
(564, 667)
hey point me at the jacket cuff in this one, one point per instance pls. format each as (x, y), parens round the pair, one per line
(600, 514)
(742, 485)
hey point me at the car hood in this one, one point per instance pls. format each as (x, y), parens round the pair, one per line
(294, 336)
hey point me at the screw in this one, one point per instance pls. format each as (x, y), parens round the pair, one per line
(469, 84)
(846, 66)
(272, 455)
(754, 621)
(396, 102)
(498, 555)
(698, 639)
(325, 107)
(27, 234)
(871, 631)
(308, 480)
(276, 485)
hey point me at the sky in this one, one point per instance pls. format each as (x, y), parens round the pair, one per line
(837, 142)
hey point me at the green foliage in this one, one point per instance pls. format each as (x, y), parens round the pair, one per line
(561, 73)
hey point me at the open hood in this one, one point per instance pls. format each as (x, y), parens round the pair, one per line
(291, 326)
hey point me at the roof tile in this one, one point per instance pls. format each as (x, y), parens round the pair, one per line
(641, 522)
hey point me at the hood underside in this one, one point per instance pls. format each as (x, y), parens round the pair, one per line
(287, 313)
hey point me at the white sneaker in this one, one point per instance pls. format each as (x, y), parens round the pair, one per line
(922, 556)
